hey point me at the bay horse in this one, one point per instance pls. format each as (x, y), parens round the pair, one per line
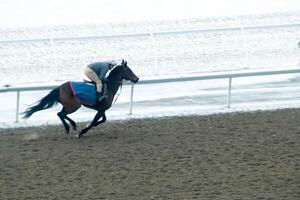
(63, 94)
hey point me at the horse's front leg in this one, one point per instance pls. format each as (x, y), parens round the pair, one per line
(94, 123)
(102, 120)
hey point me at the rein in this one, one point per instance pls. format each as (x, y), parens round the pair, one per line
(116, 82)
(117, 95)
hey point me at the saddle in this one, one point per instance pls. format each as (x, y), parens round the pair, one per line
(84, 92)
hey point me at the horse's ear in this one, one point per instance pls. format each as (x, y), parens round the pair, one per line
(123, 62)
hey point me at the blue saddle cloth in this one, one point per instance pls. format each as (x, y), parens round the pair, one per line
(85, 93)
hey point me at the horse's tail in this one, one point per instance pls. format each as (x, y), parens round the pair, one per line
(47, 102)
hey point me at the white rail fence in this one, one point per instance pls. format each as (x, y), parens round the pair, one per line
(228, 76)
(52, 41)
(152, 34)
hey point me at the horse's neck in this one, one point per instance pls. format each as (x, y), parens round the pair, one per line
(113, 87)
(114, 81)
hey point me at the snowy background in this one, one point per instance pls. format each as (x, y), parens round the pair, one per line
(20, 13)
(36, 63)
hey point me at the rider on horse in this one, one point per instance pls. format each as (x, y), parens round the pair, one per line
(96, 72)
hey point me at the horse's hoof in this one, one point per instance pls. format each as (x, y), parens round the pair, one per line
(67, 131)
(79, 135)
(74, 126)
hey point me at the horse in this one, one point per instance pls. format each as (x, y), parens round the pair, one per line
(64, 95)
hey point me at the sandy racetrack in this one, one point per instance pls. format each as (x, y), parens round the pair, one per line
(229, 156)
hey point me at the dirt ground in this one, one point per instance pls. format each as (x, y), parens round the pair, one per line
(227, 156)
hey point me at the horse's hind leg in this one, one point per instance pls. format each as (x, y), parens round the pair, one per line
(62, 115)
(73, 124)
(70, 105)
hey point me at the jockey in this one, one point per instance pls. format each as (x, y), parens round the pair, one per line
(96, 72)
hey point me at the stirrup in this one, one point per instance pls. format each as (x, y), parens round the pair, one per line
(100, 98)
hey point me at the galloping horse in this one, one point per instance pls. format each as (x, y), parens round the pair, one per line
(65, 96)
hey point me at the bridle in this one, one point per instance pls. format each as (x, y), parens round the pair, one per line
(118, 94)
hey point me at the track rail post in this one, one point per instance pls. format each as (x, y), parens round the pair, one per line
(229, 92)
(131, 100)
(17, 106)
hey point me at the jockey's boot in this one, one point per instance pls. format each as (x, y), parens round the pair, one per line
(99, 96)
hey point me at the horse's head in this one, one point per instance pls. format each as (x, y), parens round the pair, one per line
(121, 72)
(128, 73)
